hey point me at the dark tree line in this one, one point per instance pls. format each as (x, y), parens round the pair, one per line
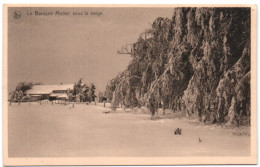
(83, 92)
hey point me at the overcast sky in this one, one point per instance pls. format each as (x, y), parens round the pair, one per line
(55, 49)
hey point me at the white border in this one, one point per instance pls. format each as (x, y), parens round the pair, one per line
(117, 2)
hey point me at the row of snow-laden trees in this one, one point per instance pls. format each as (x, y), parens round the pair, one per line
(82, 92)
(197, 63)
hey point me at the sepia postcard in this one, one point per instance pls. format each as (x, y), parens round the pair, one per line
(129, 84)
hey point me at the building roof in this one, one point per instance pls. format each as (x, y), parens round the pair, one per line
(48, 89)
(53, 94)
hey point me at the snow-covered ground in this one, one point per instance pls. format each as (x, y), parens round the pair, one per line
(85, 131)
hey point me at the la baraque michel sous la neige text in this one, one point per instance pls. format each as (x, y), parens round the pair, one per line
(63, 13)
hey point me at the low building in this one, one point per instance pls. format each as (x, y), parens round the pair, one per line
(35, 97)
(50, 92)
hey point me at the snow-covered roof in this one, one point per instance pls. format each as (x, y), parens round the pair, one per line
(53, 94)
(48, 89)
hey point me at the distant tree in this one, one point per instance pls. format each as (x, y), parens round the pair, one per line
(11, 96)
(74, 89)
(77, 87)
(81, 97)
(20, 91)
(24, 86)
(92, 90)
(18, 96)
(85, 93)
